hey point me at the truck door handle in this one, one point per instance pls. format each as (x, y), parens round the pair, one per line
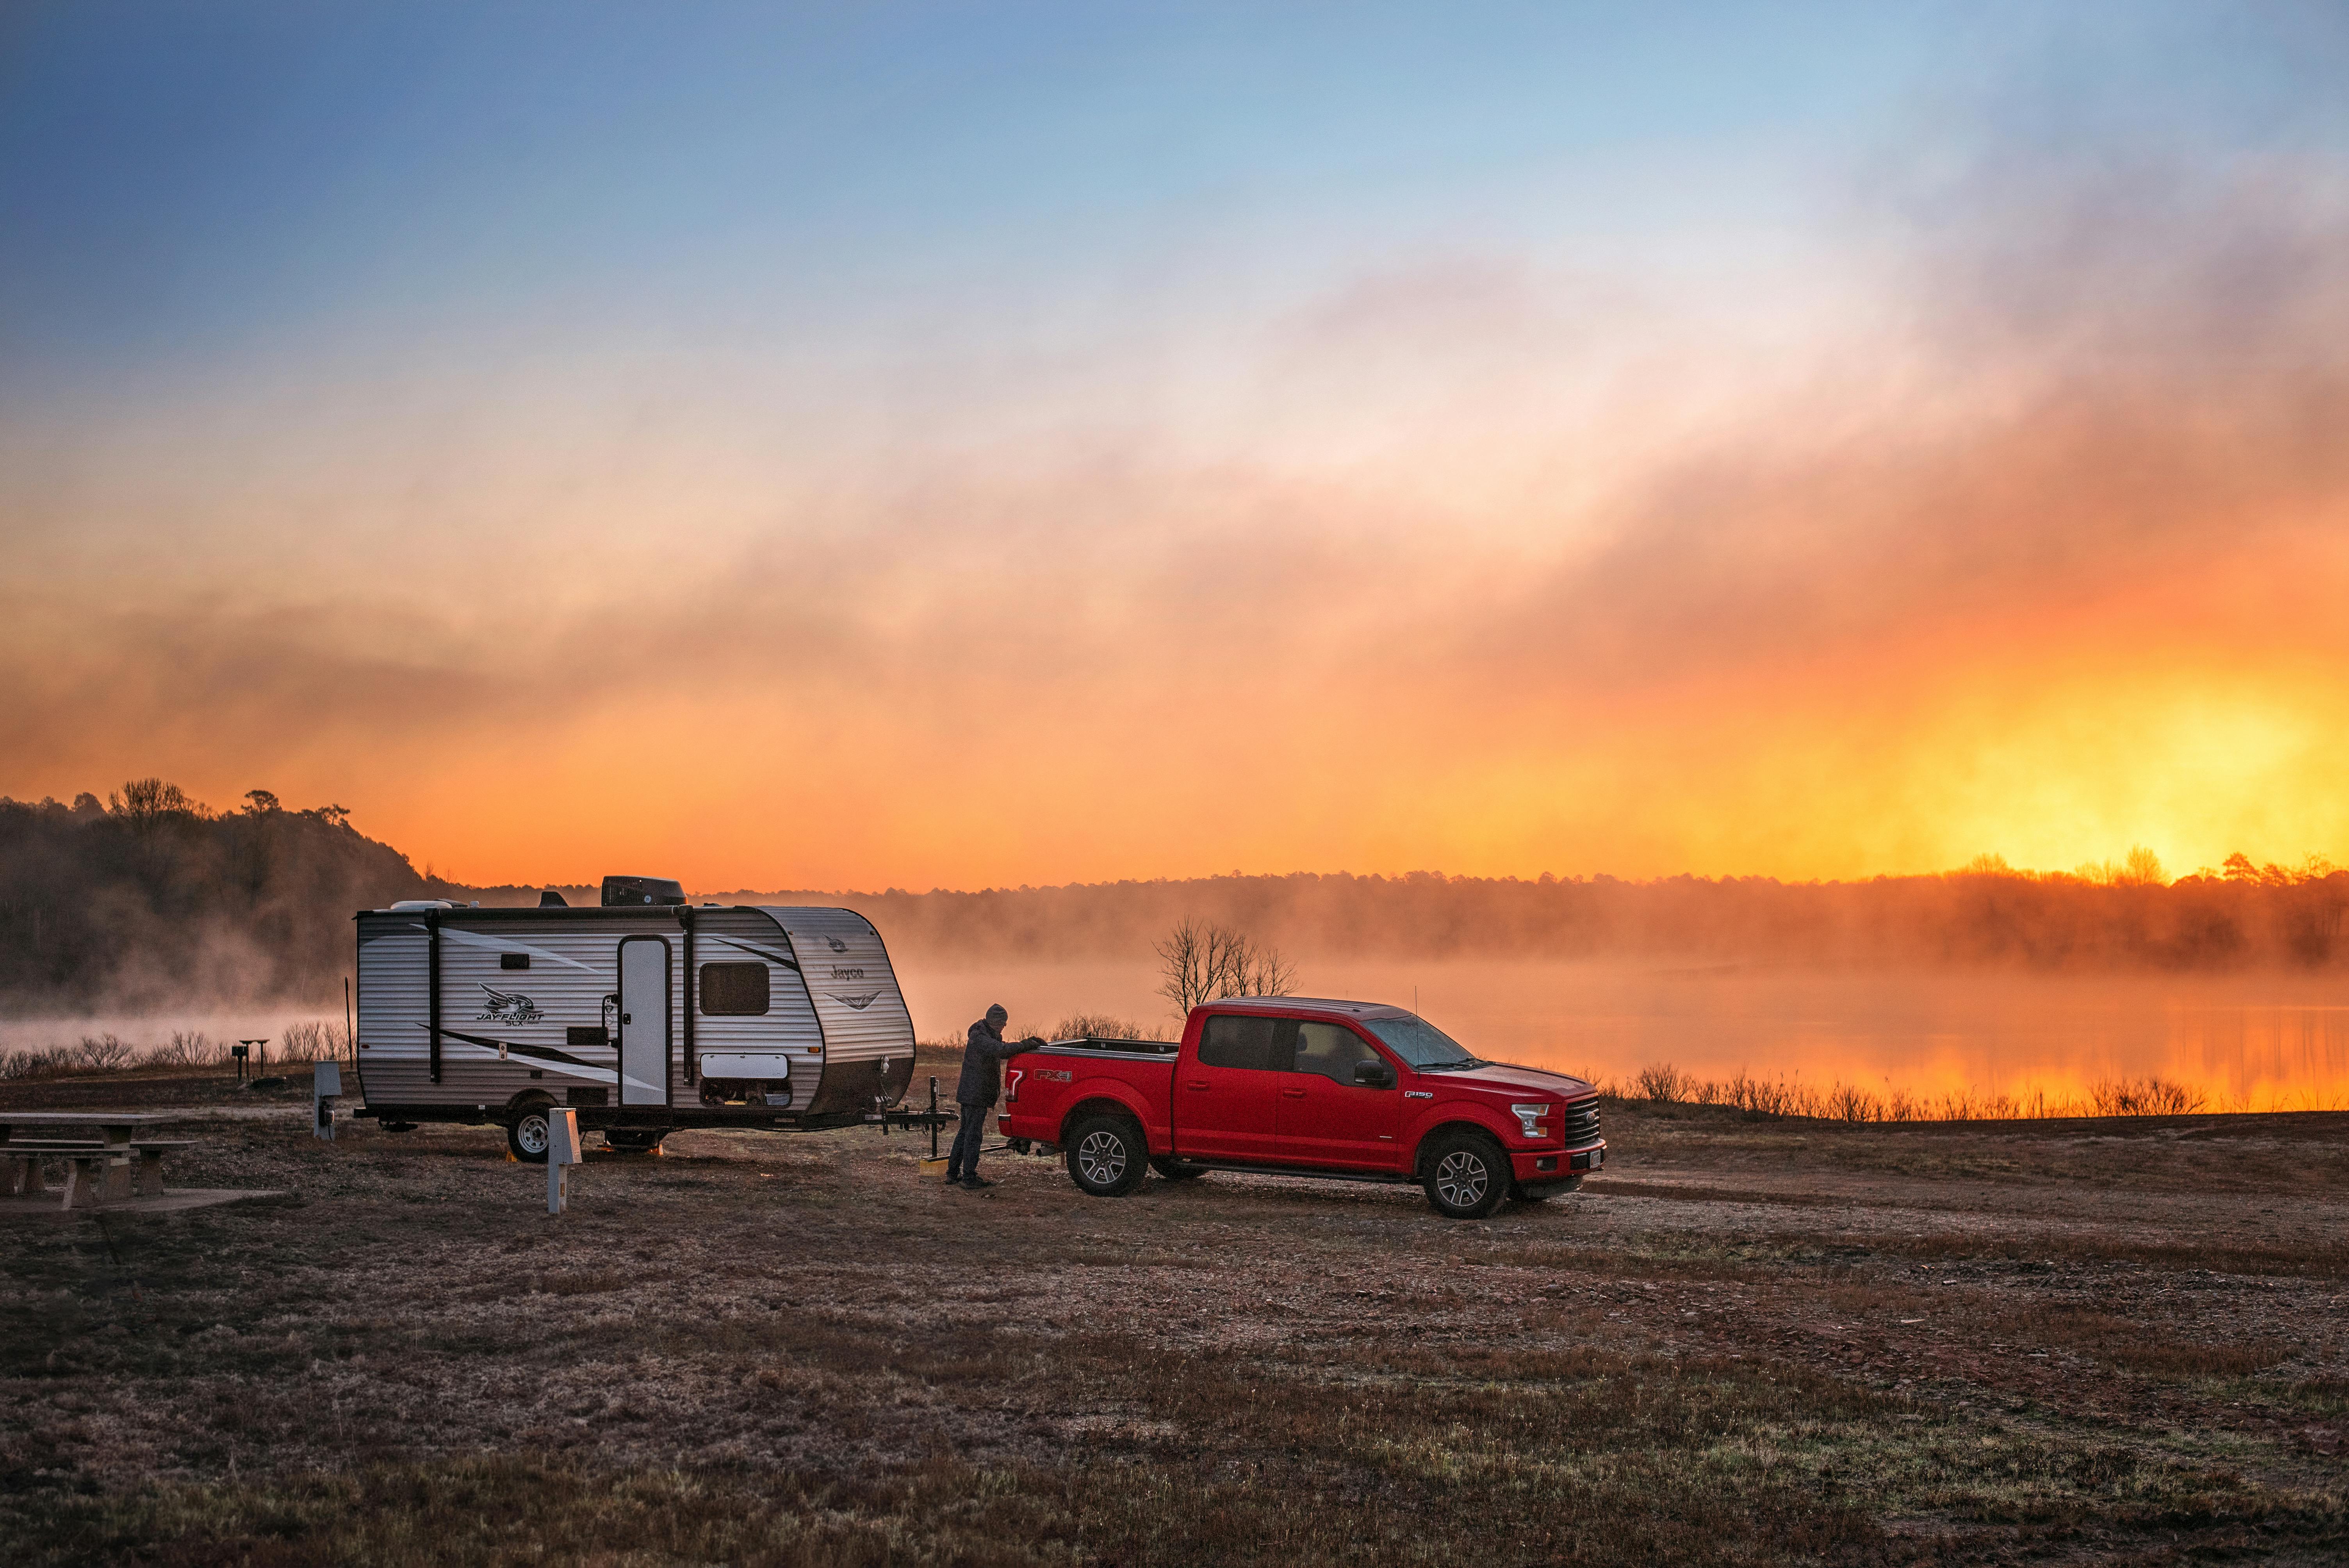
(1292, 1094)
(1197, 1086)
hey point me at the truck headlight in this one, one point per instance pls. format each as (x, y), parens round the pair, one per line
(1529, 1118)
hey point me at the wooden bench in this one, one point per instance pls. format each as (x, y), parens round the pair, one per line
(95, 1171)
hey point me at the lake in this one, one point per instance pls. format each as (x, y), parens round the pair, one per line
(2249, 1042)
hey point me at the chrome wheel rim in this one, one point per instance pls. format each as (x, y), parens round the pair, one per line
(531, 1133)
(1101, 1157)
(1460, 1179)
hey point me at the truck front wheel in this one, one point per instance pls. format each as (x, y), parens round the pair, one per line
(1107, 1156)
(1467, 1176)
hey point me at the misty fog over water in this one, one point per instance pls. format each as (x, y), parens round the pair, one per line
(2255, 1042)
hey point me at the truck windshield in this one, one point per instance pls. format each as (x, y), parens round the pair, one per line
(1420, 1043)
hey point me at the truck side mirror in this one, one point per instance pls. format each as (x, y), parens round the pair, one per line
(1374, 1075)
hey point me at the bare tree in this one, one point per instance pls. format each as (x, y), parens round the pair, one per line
(1185, 977)
(1201, 962)
(144, 803)
(1263, 971)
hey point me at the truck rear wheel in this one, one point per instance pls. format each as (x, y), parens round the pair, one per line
(1467, 1176)
(1108, 1155)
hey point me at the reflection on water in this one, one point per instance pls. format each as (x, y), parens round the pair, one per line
(2251, 1042)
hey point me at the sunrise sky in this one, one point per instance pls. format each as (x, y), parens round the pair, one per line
(954, 445)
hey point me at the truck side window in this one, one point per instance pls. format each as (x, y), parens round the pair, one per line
(1331, 1050)
(734, 990)
(1261, 1044)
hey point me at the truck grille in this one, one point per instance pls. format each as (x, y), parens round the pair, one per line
(1579, 1122)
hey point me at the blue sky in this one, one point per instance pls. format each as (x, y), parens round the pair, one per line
(182, 180)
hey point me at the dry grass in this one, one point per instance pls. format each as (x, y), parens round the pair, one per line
(788, 1350)
(1661, 1083)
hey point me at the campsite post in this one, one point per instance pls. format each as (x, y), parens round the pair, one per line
(326, 1085)
(562, 1154)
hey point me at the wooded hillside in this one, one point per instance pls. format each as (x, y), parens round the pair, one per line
(151, 899)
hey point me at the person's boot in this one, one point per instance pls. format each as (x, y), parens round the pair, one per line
(975, 1181)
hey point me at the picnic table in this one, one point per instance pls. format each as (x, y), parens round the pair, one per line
(107, 1159)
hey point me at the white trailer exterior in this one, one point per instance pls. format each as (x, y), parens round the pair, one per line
(643, 1019)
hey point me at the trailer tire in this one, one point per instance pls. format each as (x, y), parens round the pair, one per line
(1468, 1175)
(1175, 1170)
(1108, 1155)
(530, 1133)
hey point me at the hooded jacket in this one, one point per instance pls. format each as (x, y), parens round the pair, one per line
(982, 1062)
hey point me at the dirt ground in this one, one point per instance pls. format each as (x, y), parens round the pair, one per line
(1749, 1342)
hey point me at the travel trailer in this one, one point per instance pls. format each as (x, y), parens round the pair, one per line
(646, 1014)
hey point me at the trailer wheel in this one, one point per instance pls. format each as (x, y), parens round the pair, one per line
(1467, 1176)
(1175, 1170)
(1108, 1155)
(529, 1134)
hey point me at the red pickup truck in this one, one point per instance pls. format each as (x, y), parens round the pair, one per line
(1353, 1090)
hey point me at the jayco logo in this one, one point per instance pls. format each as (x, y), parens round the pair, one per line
(839, 972)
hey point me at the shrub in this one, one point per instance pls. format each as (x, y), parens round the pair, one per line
(309, 1041)
(1660, 1082)
(103, 1052)
(35, 1064)
(1105, 1026)
(185, 1048)
(2144, 1097)
(1846, 1103)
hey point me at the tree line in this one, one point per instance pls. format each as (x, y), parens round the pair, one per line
(2238, 915)
(150, 898)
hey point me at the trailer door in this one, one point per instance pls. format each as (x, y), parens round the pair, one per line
(644, 1021)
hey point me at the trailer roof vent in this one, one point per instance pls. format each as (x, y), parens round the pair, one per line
(621, 891)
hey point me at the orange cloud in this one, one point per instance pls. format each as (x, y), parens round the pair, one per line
(2052, 575)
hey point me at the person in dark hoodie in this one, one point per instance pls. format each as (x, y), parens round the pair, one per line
(982, 1080)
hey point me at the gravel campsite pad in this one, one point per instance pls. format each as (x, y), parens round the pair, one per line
(1750, 1342)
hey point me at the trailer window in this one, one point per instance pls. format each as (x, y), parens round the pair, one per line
(1262, 1045)
(734, 990)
